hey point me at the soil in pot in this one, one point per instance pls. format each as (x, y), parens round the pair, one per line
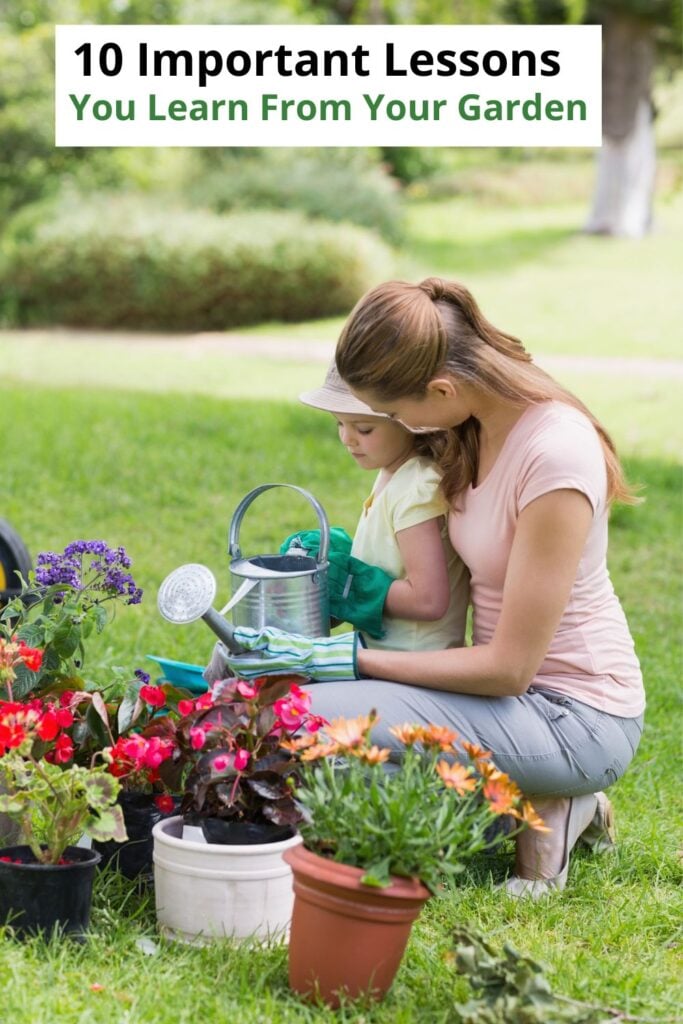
(346, 938)
(243, 833)
(44, 898)
(133, 858)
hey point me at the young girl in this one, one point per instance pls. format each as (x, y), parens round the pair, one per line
(422, 593)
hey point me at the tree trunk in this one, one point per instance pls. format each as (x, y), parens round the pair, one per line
(622, 200)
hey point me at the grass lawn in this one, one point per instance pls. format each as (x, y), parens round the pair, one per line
(162, 474)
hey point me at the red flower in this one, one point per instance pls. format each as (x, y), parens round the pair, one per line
(64, 749)
(64, 718)
(153, 695)
(204, 702)
(185, 707)
(165, 803)
(48, 726)
(32, 657)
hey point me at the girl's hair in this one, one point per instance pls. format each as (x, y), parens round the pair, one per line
(400, 336)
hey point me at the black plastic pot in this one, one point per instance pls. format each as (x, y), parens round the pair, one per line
(133, 858)
(44, 898)
(242, 833)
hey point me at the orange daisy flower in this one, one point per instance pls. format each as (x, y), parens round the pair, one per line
(502, 795)
(476, 752)
(351, 732)
(372, 755)
(457, 777)
(439, 736)
(320, 750)
(489, 771)
(408, 734)
(299, 742)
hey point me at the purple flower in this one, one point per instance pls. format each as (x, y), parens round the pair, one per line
(142, 676)
(102, 577)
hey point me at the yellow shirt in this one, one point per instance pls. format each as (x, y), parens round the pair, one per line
(411, 496)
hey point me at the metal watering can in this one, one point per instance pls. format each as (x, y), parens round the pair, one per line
(287, 591)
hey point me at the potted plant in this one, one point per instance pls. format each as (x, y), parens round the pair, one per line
(231, 879)
(377, 843)
(135, 739)
(46, 883)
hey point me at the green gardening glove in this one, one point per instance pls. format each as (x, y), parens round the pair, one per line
(358, 592)
(309, 540)
(272, 652)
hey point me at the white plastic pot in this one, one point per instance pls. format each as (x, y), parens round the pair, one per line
(205, 891)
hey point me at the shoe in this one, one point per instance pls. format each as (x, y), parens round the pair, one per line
(598, 835)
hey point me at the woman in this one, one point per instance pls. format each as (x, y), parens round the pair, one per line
(552, 685)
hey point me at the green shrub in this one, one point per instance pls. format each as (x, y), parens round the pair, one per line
(119, 262)
(337, 185)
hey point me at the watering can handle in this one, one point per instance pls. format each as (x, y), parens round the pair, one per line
(234, 533)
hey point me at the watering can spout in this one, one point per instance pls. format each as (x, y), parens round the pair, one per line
(187, 594)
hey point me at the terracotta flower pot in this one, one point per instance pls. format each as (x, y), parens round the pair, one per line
(346, 937)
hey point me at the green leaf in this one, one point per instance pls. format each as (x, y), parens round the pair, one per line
(101, 617)
(378, 875)
(96, 727)
(130, 709)
(66, 638)
(31, 633)
(108, 824)
(101, 789)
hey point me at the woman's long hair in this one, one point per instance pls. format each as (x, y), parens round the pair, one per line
(400, 336)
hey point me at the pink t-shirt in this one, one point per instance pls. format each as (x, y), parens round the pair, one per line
(591, 656)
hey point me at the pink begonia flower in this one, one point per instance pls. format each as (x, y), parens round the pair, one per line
(157, 751)
(133, 747)
(204, 702)
(197, 737)
(247, 689)
(314, 723)
(221, 762)
(185, 707)
(241, 759)
(290, 711)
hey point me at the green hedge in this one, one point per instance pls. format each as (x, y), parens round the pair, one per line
(336, 185)
(118, 262)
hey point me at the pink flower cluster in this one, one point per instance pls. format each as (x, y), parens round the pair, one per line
(293, 712)
(138, 758)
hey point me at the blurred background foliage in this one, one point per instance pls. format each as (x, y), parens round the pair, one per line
(74, 220)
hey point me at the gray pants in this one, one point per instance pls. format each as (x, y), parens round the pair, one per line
(551, 745)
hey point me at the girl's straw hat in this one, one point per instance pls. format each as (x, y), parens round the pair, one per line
(334, 396)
